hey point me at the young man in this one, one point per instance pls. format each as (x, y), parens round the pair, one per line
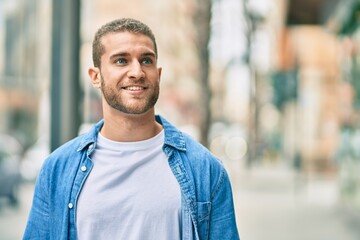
(134, 175)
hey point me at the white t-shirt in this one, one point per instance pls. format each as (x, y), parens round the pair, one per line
(130, 193)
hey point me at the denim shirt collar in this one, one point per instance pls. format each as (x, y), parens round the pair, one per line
(173, 137)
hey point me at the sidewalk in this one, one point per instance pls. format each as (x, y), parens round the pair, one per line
(276, 204)
(13, 219)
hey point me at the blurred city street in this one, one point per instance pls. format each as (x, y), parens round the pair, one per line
(277, 204)
(271, 203)
(270, 87)
(13, 218)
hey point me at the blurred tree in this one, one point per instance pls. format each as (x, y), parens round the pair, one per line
(350, 19)
(202, 18)
(345, 21)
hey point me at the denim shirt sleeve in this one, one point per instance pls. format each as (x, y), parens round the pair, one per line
(222, 217)
(38, 223)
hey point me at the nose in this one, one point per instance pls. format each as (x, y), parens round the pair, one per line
(135, 71)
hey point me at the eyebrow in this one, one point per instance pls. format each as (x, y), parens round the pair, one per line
(121, 54)
(151, 54)
(126, 54)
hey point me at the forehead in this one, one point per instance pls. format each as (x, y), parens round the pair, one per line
(126, 41)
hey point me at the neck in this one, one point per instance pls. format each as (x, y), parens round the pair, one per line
(123, 127)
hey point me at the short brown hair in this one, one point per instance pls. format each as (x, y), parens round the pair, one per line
(119, 25)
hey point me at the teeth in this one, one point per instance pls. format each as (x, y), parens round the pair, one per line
(134, 88)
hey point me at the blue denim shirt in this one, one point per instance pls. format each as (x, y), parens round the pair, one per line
(207, 202)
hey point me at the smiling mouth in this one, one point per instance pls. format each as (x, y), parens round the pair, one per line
(134, 88)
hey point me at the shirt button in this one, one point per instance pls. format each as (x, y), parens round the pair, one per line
(70, 205)
(83, 168)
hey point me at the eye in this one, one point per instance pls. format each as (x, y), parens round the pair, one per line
(121, 61)
(147, 61)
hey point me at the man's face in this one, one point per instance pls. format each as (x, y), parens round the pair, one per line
(129, 75)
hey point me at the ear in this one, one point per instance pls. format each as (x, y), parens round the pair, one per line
(159, 72)
(95, 76)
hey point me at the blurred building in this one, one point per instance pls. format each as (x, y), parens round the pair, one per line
(316, 90)
(305, 80)
(24, 66)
